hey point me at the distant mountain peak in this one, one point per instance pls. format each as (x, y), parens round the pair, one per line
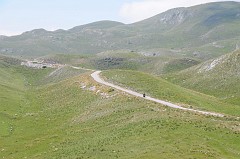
(105, 24)
(174, 16)
(36, 31)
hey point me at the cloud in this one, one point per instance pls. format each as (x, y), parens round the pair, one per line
(8, 33)
(139, 10)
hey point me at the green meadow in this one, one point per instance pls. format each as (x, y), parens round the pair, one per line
(187, 56)
(162, 89)
(42, 118)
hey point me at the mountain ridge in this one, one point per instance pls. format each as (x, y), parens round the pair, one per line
(182, 28)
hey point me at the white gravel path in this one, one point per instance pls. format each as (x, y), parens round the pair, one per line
(97, 78)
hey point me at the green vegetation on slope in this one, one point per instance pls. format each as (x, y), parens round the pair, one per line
(154, 61)
(179, 64)
(66, 120)
(161, 89)
(219, 77)
(11, 86)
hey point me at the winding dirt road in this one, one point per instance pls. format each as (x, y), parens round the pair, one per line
(97, 78)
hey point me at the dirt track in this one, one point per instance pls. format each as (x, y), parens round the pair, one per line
(97, 78)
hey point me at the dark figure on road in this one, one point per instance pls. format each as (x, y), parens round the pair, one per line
(144, 95)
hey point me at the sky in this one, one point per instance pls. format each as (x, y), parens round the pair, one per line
(18, 16)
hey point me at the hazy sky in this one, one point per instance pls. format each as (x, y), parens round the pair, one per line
(17, 16)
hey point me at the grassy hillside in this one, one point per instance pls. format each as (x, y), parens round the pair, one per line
(155, 61)
(131, 60)
(179, 64)
(71, 119)
(162, 89)
(219, 77)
